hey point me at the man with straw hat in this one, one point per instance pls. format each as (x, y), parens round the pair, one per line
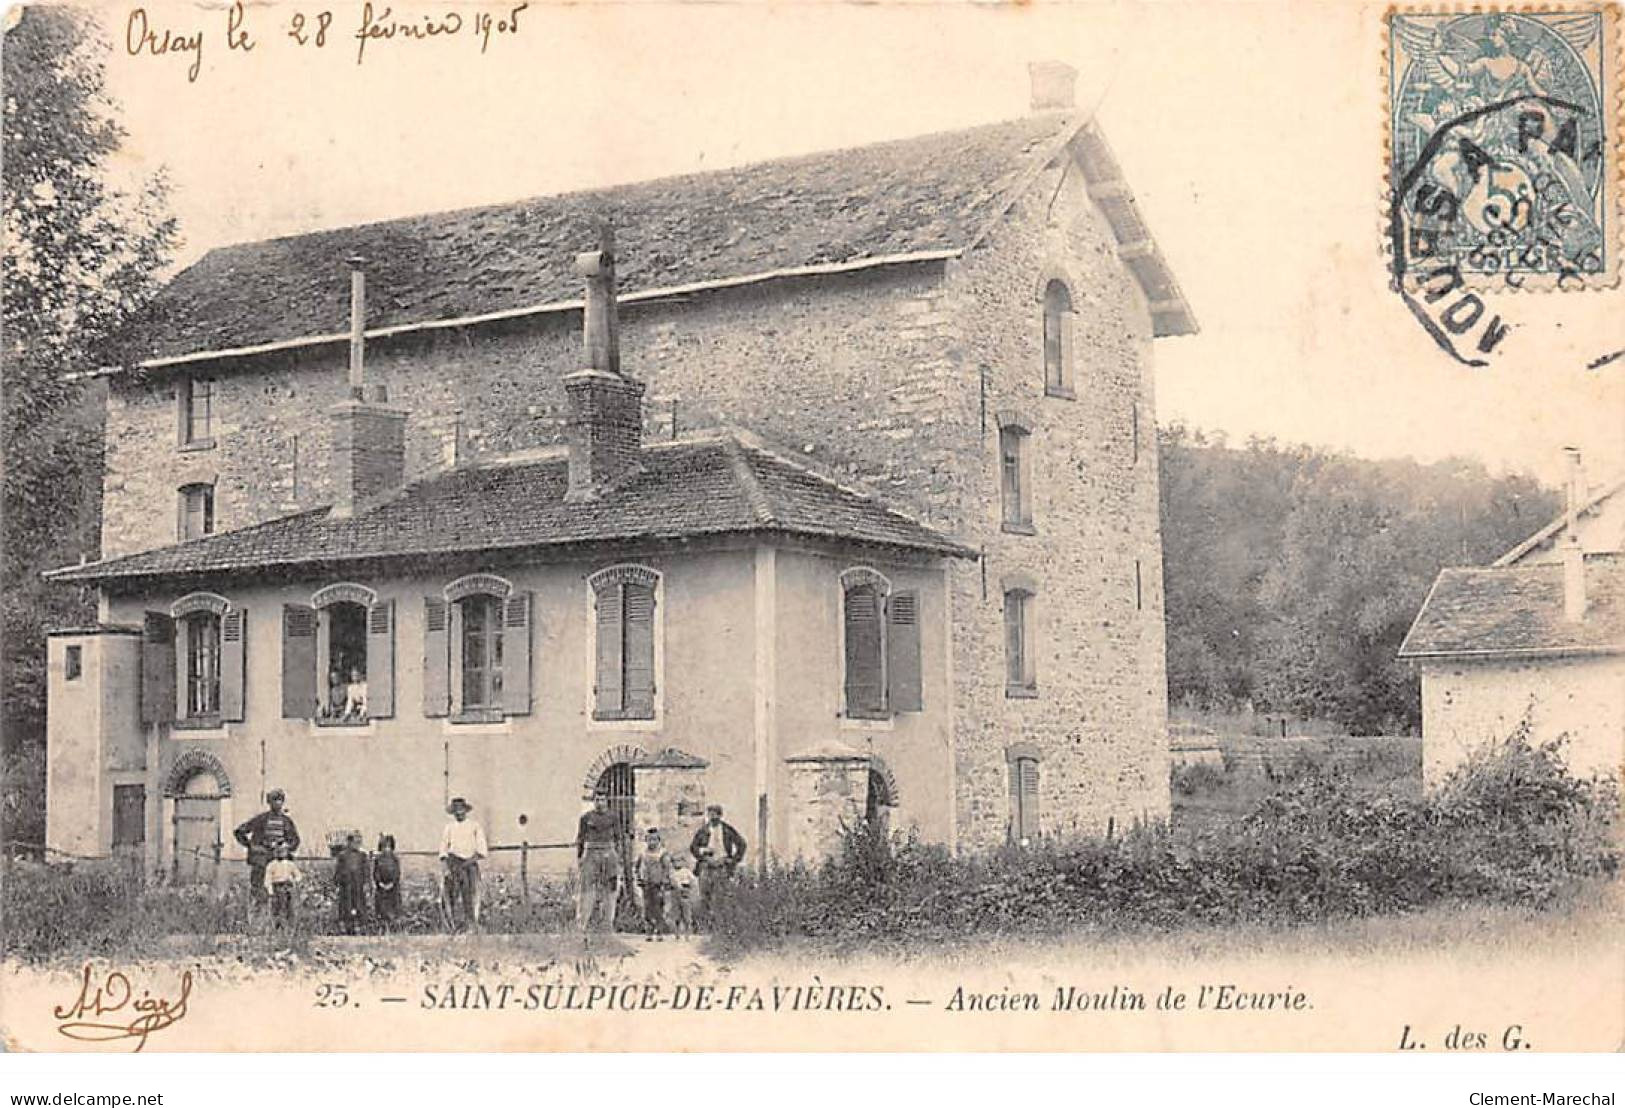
(462, 845)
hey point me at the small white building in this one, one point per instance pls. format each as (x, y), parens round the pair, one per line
(1540, 634)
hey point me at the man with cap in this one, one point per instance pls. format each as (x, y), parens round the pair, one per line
(462, 845)
(598, 858)
(718, 849)
(261, 836)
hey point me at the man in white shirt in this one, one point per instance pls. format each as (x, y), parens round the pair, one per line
(462, 845)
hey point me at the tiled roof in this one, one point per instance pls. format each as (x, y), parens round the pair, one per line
(1519, 610)
(686, 489)
(1540, 538)
(886, 201)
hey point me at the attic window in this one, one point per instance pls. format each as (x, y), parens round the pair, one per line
(196, 512)
(195, 410)
(1058, 339)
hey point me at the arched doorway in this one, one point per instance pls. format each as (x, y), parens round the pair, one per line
(197, 829)
(882, 794)
(618, 784)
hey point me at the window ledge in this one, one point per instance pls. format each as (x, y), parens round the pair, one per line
(868, 723)
(1018, 527)
(206, 727)
(1060, 392)
(465, 724)
(630, 723)
(478, 715)
(196, 444)
(355, 726)
(1021, 692)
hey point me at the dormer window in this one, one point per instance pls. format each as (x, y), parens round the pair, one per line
(195, 403)
(1058, 339)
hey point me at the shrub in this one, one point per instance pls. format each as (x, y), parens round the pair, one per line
(1511, 826)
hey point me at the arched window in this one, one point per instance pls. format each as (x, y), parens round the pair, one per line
(477, 650)
(482, 650)
(1057, 339)
(624, 600)
(209, 643)
(201, 633)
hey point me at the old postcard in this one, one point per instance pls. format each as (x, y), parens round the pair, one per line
(708, 527)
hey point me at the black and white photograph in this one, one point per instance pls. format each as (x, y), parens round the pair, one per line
(689, 527)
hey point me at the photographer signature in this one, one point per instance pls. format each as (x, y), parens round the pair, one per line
(113, 996)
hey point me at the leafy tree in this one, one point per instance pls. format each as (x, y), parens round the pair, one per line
(81, 255)
(1293, 574)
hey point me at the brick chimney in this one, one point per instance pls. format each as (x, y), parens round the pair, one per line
(1573, 554)
(1054, 86)
(369, 437)
(606, 407)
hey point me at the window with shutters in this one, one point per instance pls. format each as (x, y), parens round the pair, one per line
(626, 653)
(194, 397)
(196, 512)
(344, 684)
(1058, 371)
(1020, 674)
(1024, 825)
(338, 657)
(880, 646)
(1015, 478)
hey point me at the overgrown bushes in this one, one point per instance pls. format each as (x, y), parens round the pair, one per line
(1512, 826)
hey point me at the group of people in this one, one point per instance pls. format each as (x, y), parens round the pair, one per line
(664, 885)
(671, 892)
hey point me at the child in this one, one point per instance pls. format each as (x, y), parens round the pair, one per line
(680, 912)
(653, 873)
(350, 875)
(280, 877)
(386, 882)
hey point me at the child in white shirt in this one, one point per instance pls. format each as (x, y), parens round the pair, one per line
(281, 875)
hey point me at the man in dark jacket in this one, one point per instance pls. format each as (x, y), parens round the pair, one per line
(718, 849)
(261, 836)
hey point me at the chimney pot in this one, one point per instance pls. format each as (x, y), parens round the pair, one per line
(606, 407)
(1054, 86)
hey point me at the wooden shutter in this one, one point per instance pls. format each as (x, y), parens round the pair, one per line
(233, 657)
(607, 664)
(157, 668)
(638, 660)
(298, 661)
(516, 635)
(865, 687)
(436, 657)
(381, 660)
(903, 652)
(1024, 798)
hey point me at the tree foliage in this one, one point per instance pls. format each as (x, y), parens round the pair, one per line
(1292, 574)
(81, 255)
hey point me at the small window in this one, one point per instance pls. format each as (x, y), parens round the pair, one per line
(1021, 678)
(1015, 478)
(73, 663)
(129, 815)
(1024, 825)
(482, 651)
(202, 665)
(1057, 339)
(196, 512)
(196, 398)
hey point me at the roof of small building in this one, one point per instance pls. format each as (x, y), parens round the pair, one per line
(710, 486)
(1518, 610)
(904, 200)
(1597, 498)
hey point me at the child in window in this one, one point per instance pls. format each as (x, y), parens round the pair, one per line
(355, 696)
(281, 875)
(386, 883)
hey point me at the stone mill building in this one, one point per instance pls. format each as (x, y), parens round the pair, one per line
(823, 489)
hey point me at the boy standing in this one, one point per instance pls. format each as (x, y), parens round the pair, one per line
(681, 913)
(350, 875)
(653, 874)
(281, 875)
(386, 882)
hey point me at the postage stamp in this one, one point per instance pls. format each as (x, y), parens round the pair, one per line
(1503, 132)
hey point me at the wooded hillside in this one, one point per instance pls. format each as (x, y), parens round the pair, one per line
(1292, 573)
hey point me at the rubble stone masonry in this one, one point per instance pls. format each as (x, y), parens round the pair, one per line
(890, 380)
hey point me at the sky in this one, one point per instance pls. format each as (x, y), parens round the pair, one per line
(1251, 133)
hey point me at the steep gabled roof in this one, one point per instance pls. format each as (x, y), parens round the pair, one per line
(888, 203)
(1555, 527)
(686, 489)
(1518, 611)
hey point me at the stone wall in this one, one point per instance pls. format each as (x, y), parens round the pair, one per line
(887, 379)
